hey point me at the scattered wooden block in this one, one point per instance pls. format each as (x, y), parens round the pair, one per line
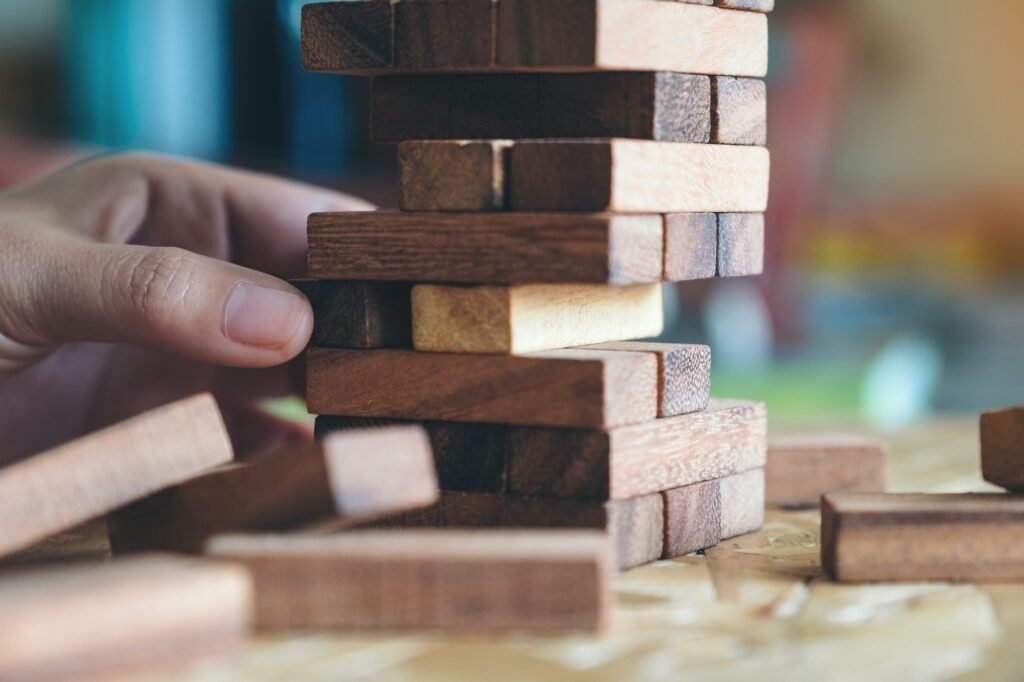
(497, 247)
(432, 34)
(636, 176)
(693, 518)
(344, 479)
(551, 580)
(691, 246)
(452, 175)
(359, 314)
(150, 615)
(1002, 447)
(91, 476)
(347, 36)
(801, 469)
(531, 317)
(742, 503)
(670, 107)
(911, 538)
(740, 111)
(740, 244)
(557, 388)
(752, 5)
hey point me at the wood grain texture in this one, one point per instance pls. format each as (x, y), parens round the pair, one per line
(440, 34)
(344, 479)
(457, 175)
(869, 537)
(742, 503)
(91, 476)
(691, 246)
(802, 468)
(1002, 447)
(124, 618)
(752, 5)
(693, 518)
(359, 314)
(531, 317)
(557, 388)
(550, 580)
(671, 107)
(485, 248)
(636, 176)
(346, 36)
(740, 113)
(740, 244)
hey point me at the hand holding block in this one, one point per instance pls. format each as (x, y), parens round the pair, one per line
(343, 36)
(123, 618)
(542, 581)
(1002, 447)
(801, 469)
(359, 314)
(740, 111)
(740, 244)
(452, 175)
(94, 475)
(343, 479)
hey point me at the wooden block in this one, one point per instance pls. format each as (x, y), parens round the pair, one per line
(551, 580)
(359, 314)
(693, 518)
(636, 176)
(625, 35)
(452, 175)
(1002, 447)
(344, 479)
(531, 317)
(752, 5)
(691, 246)
(485, 248)
(556, 388)
(684, 373)
(740, 244)
(802, 468)
(670, 107)
(742, 503)
(150, 615)
(440, 34)
(347, 36)
(869, 537)
(89, 477)
(740, 111)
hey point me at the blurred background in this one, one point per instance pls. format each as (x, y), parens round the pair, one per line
(895, 255)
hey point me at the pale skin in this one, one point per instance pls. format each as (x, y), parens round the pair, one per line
(129, 281)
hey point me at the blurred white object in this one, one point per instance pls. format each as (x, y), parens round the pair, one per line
(739, 326)
(901, 381)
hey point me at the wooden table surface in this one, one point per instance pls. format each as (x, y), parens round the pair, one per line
(754, 606)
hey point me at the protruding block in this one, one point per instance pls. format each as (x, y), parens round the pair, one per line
(347, 36)
(359, 314)
(740, 111)
(693, 518)
(1002, 447)
(486, 248)
(442, 34)
(531, 317)
(691, 246)
(96, 474)
(551, 580)
(919, 537)
(740, 244)
(802, 468)
(742, 503)
(557, 388)
(462, 175)
(635, 176)
(751, 5)
(121, 619)
(344, 479)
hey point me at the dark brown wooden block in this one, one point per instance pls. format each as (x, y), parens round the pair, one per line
(345, 36)
(740, 244)
(1002, 447)
(752, 5)
(359, 314)
(462, 175)
(691, 246)
(802, 468)
(740, 111)
(693, 518)
(439, 34)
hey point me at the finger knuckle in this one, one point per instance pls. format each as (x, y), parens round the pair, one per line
(160, 282)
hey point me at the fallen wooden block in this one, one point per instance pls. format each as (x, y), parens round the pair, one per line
(433, 34)
(359, 314)
(701, 515)
(531, 317)
(343, 36)
(1002, 447)
(670, 107)
(149, 615)
(802, 468)
(912, 538)
(752, 5)
(551, 580)
(740, 111)
(344, 479)
(636, 176)
(89, 477)
(556, 388)
(452, 175)
(740, 244)
(496, 247)
(691, 246)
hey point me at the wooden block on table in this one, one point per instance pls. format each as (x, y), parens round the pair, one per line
(343, 479)
(550, 580)
(147, 615)
(740, 244)
(869, 537)
(440, 34)
(89, 477)
(636, 176)
(462, 175)
(693, 518)
(752, 5)
(531, 317)
(1002, 447)
(802, 468)
(740, 111)
(347, 36)
(691, 246)
(742, 503)
(556, 388)
(359, 314)
(496, 247)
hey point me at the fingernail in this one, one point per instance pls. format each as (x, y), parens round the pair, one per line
(260, 316)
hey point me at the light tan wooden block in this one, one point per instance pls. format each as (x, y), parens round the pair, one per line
(531, 317)
(740, 111)
(750, 5)
(147, 615)
(691, 246)
(552, 580)
(740, 244)
(802, 468)
(742, 503)
(452, 175)
(1002, 447)
(94, 475)
(868, 537)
